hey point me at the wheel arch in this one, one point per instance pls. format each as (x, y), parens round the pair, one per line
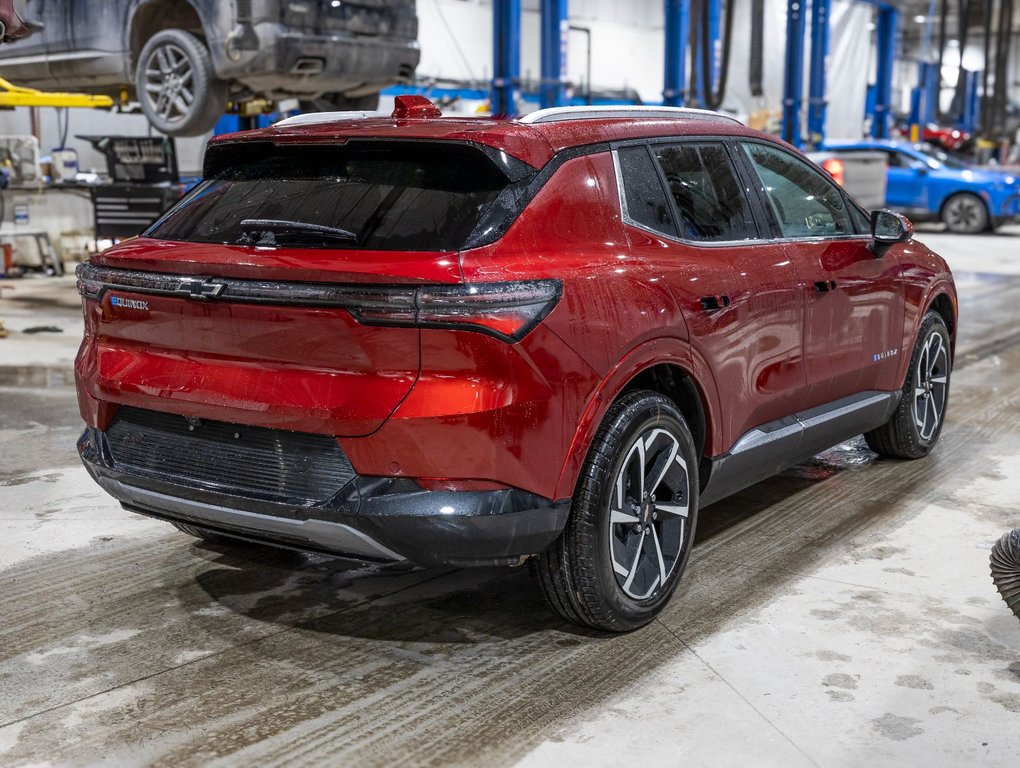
(151, 16)
(945, 306)
(661, 366)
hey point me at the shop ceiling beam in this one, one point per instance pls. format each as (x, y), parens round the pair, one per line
(506, 54)
(16, 96)
(555, 30)
(678, 21)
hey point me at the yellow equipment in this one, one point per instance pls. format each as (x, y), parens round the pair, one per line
(15, 96)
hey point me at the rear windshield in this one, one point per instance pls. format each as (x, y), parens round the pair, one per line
(407, 197)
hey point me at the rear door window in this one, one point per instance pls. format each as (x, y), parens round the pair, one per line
(804, 201)
(644, 195)
(709, 199)
(374, 196)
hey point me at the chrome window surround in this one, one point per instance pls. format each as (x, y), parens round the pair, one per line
(710, 243)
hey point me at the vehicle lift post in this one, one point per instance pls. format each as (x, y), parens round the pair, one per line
(886, 22)
(793, 74)
(817, 103)
(555, 30)
(678, 22)
(506, 55)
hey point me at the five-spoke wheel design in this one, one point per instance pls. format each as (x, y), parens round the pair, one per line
(648, 514)
(931, 385)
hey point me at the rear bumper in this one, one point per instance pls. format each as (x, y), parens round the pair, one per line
(373, 519)
(285, 59)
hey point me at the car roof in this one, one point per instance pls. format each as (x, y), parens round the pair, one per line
(534, 141)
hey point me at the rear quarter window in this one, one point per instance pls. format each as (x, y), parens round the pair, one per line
(386, 196)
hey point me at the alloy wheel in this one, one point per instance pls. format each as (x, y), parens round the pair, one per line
(965, 214)
(169, 82)
(931, 383)
(648, 514)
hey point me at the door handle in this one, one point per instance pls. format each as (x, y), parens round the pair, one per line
(824, 286)
(713, 303)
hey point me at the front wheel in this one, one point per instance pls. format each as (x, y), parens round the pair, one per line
(632, 520)
(916, 425)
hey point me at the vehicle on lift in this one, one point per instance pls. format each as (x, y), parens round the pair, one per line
(928, 185)
(473, 342)
(184, 60)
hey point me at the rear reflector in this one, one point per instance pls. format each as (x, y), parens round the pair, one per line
(505, 310)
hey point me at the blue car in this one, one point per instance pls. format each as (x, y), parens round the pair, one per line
(928, 185)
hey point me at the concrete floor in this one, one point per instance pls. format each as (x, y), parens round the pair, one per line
(838, 615)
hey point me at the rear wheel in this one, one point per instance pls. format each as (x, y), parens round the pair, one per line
(965, 214)
(177, 86)
(915, 427)
(632, 521)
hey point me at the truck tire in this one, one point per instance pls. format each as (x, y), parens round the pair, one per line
(177, 86)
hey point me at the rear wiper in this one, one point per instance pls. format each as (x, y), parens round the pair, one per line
(253, 228)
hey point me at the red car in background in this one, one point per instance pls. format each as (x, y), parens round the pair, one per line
(475, 342)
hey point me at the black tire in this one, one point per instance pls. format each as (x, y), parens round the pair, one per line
(908, 435)
(965, 214)
(332, 102)
(177, 86)
(579, 574)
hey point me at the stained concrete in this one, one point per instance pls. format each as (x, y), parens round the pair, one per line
(837, 615)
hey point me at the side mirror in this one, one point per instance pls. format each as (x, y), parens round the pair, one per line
(889, 227)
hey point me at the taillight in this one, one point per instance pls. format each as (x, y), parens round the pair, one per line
(836, 170)
(506, 310)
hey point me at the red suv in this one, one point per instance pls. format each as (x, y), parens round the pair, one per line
(475, 342)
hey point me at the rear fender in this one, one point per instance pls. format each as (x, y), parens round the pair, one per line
(663, 350)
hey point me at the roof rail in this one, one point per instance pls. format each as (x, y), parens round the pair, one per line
(313, 118)
(559, 114)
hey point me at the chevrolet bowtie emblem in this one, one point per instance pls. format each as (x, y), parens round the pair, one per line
(200, 288)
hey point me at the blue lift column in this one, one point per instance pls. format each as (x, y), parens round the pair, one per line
(817, 103)
(793, 75)
(555, 28)
(886, 22)
(506, 56)
(678, 22)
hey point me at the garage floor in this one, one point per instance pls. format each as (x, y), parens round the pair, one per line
(839, 614)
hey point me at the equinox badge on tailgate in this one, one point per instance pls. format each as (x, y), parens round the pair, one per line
(119, 301)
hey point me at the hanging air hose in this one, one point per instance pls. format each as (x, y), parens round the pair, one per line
(714, 99)
(756, 66)
(1000, 93)
(1005, 566)
(959, 92)
(701, 28)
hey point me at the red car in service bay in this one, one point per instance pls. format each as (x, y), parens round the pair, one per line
(474, 342)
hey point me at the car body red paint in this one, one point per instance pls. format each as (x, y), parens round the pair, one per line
(458, 409)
